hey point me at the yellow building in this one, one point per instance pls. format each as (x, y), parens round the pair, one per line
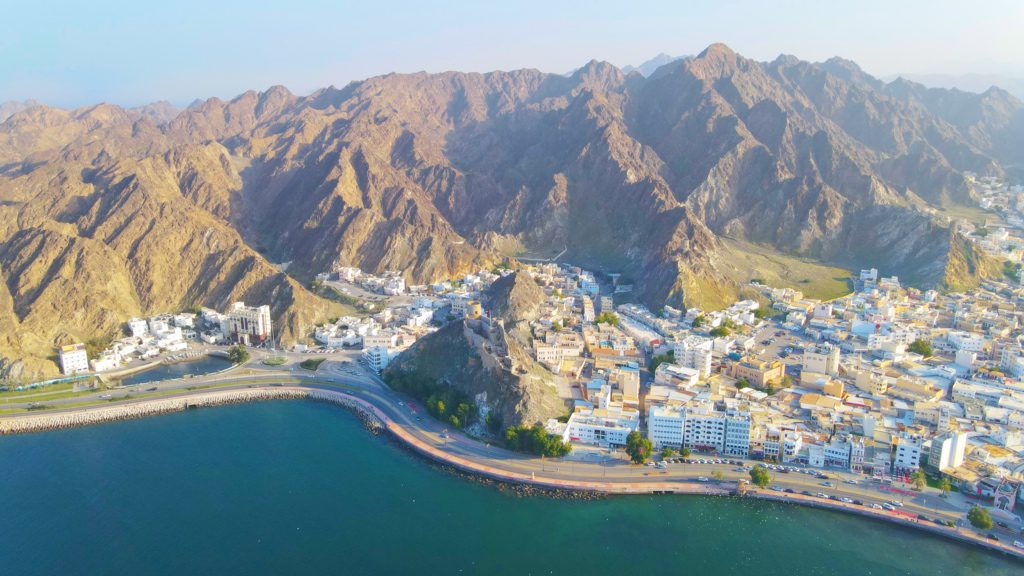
(759, 373)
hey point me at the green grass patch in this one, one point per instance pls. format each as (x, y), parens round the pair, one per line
(746, 261)
(312, 363)
(274, 361)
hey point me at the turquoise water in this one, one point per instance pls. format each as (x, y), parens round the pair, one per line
(204, 365)
(302, 488)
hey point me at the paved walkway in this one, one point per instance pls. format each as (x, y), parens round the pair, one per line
(461, 458)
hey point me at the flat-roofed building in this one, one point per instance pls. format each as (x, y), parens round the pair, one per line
(73, 359)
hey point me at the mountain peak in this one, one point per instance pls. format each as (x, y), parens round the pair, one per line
(716, 51)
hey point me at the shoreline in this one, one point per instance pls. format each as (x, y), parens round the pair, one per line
(376, 421)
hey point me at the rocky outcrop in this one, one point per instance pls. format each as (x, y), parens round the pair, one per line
(479, 359)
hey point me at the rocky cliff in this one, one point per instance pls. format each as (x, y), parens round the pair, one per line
(489, 359)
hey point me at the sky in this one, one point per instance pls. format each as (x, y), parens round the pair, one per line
(73, 53)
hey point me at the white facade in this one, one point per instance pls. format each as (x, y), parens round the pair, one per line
(247, 324)
(377, 358)
(73, 359)
(823, 359)
(137, 327)
(694, 352)
(665, 426)
(700, 428)
(601, 427)
(966, 341)
(907, 457)
(947, 451)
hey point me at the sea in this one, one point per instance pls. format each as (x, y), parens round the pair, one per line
(295, 487)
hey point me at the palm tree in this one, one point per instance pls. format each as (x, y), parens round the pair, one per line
(944, 486)
(918, 480)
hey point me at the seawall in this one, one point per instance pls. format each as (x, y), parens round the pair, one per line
(377, 421)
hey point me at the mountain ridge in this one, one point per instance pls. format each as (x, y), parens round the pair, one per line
(437, 175)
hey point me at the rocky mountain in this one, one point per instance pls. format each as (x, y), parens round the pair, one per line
(659, 178)
(648, 67)
(7, 109)
(490, 361)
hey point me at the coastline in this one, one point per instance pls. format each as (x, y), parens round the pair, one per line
(377, 421)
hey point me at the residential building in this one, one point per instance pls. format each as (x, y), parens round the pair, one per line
(606, 427)
(376, 358)
(73, 359)
(823, 359)
(947, 451)
(760, 373)
(906, 455)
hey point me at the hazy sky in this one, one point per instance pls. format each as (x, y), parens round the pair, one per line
(131, 52)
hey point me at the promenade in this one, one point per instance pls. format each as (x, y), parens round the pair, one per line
(379, 411)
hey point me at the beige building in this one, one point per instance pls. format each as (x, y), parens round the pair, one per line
(759, 373)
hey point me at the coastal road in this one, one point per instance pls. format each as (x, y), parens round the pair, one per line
(349, 377)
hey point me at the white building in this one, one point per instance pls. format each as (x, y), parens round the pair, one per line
(869, 276)
(700, 428)
(247, 324)
(694, 352)
(1011, 361)
(394, 286)
(907, 456)
(665, 426)
(966, 341)
(947, 451)
(377, 358)
(676, 375)
(137, 327)
(605, 427)
(73, 359)
(823, 359)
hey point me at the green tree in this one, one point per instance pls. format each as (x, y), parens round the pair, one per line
(918, 480)
(944, 486)
(759, 476)
(238, 354)
(455, 421)
(761, 313)
(699, 321)
(980, 518)
(718, 475)
(685, 452)
(666, 452)
(607, 318)
(659, 360)
(638, 447)
(922, 347)
(535, 440)
(720, 332)
(742, 383)
(440, 407)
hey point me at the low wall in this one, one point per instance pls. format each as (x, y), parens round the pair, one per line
(141, 409)
(377, 421)
(966, 537)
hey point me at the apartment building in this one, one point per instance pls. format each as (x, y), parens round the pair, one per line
(73, 359)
